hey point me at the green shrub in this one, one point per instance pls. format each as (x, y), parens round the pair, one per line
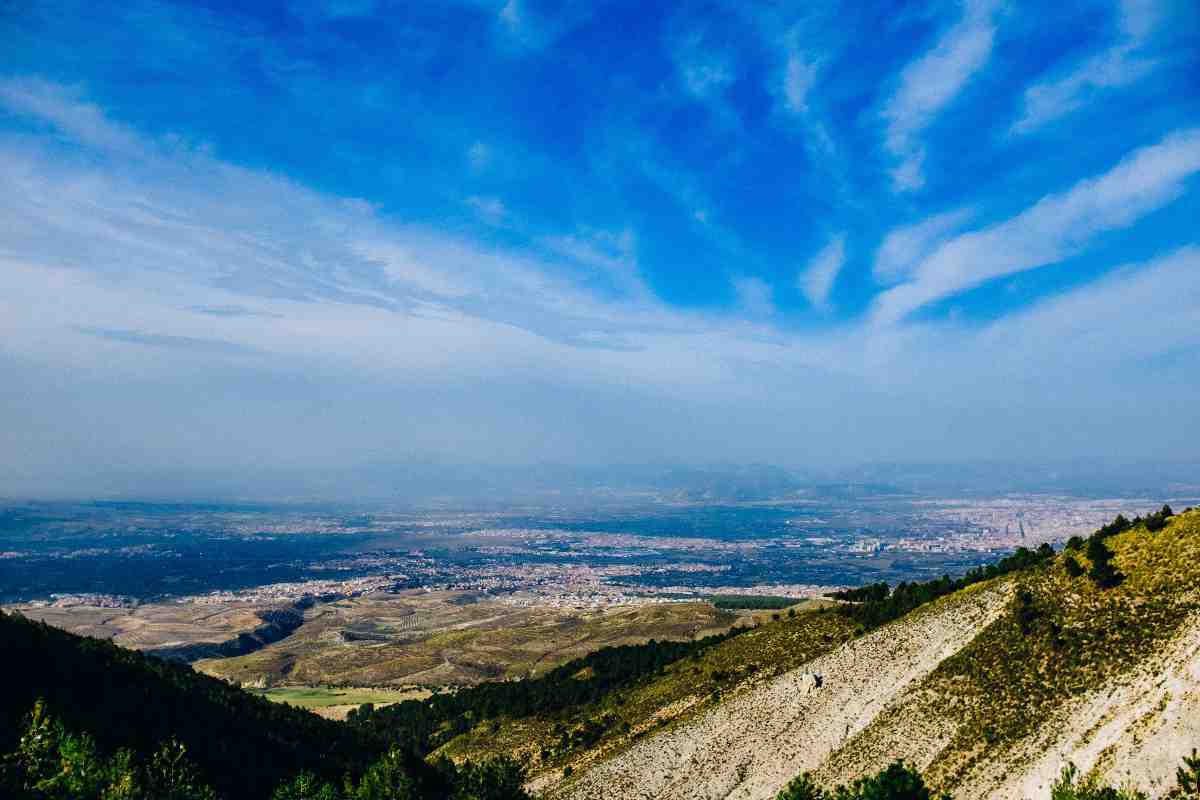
(1187, 778)
(1070, 786)
(52, 763)
(802, 787)
(897, 782)
(1025, 611)
(306, 786)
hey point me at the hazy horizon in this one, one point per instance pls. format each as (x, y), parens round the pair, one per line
(437, 483)
(242, 243)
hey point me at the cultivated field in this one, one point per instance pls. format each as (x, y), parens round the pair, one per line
(337, 703)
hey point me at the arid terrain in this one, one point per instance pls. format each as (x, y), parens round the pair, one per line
(410, 638)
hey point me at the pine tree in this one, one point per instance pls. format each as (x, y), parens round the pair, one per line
(1187, 778)
(802, 787)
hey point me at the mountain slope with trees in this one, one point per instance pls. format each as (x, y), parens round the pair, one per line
(989, 686)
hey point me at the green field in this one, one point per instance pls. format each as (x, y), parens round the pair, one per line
(317, 697)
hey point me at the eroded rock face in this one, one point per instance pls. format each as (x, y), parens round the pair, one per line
(749, 747)
(808, 683)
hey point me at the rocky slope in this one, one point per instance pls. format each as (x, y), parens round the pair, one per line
(750, 746)
(989, 692)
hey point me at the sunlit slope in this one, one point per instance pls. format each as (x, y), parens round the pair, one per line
(751, 745)
(989, 691)
(437, 640)
(580, 736)
(1107, 678)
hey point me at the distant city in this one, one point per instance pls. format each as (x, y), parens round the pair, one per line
(119, 555)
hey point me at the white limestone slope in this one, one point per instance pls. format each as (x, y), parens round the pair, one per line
(1134, 731)
(749, 747)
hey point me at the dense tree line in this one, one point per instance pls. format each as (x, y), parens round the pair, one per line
(423, 725)
(874, 605)
(117, 719)
(133, 701)
(750, 601)
(901, 782)
(53, 762)
(1103, 573)
(896, 782)
(871, 593)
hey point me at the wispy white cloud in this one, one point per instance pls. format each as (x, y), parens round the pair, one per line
(130, 278)
(479, 156)
(801, 72)
(529, 28)
(706, 72)
(1121, 64)
(930, 83)
(613, 253)
(490, 209)
(706, 75)
(1074, 331)
(63, 108)
(511, 14)
(817, 279)
(802, 55)
(190, 343)
(754, 296)
(903, 247)
(1056, 227)
(230, 310)
(799, 78)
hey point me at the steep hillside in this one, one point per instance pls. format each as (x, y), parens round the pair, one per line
(578, 735)
(751, 745)
(989, 691)
(1106, 677)
(84, 719)
(126, 699)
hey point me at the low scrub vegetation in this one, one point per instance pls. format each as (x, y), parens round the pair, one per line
(876, 604)
(564, 737)
(423, 726)
(1069, 631)
(901, 782)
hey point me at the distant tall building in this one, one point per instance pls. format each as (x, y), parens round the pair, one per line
(1021, 523)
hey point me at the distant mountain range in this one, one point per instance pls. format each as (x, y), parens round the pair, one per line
(427, 481)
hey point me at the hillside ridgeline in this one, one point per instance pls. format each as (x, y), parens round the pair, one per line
(1090, 656)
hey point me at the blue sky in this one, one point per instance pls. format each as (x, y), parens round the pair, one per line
(259, 236)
